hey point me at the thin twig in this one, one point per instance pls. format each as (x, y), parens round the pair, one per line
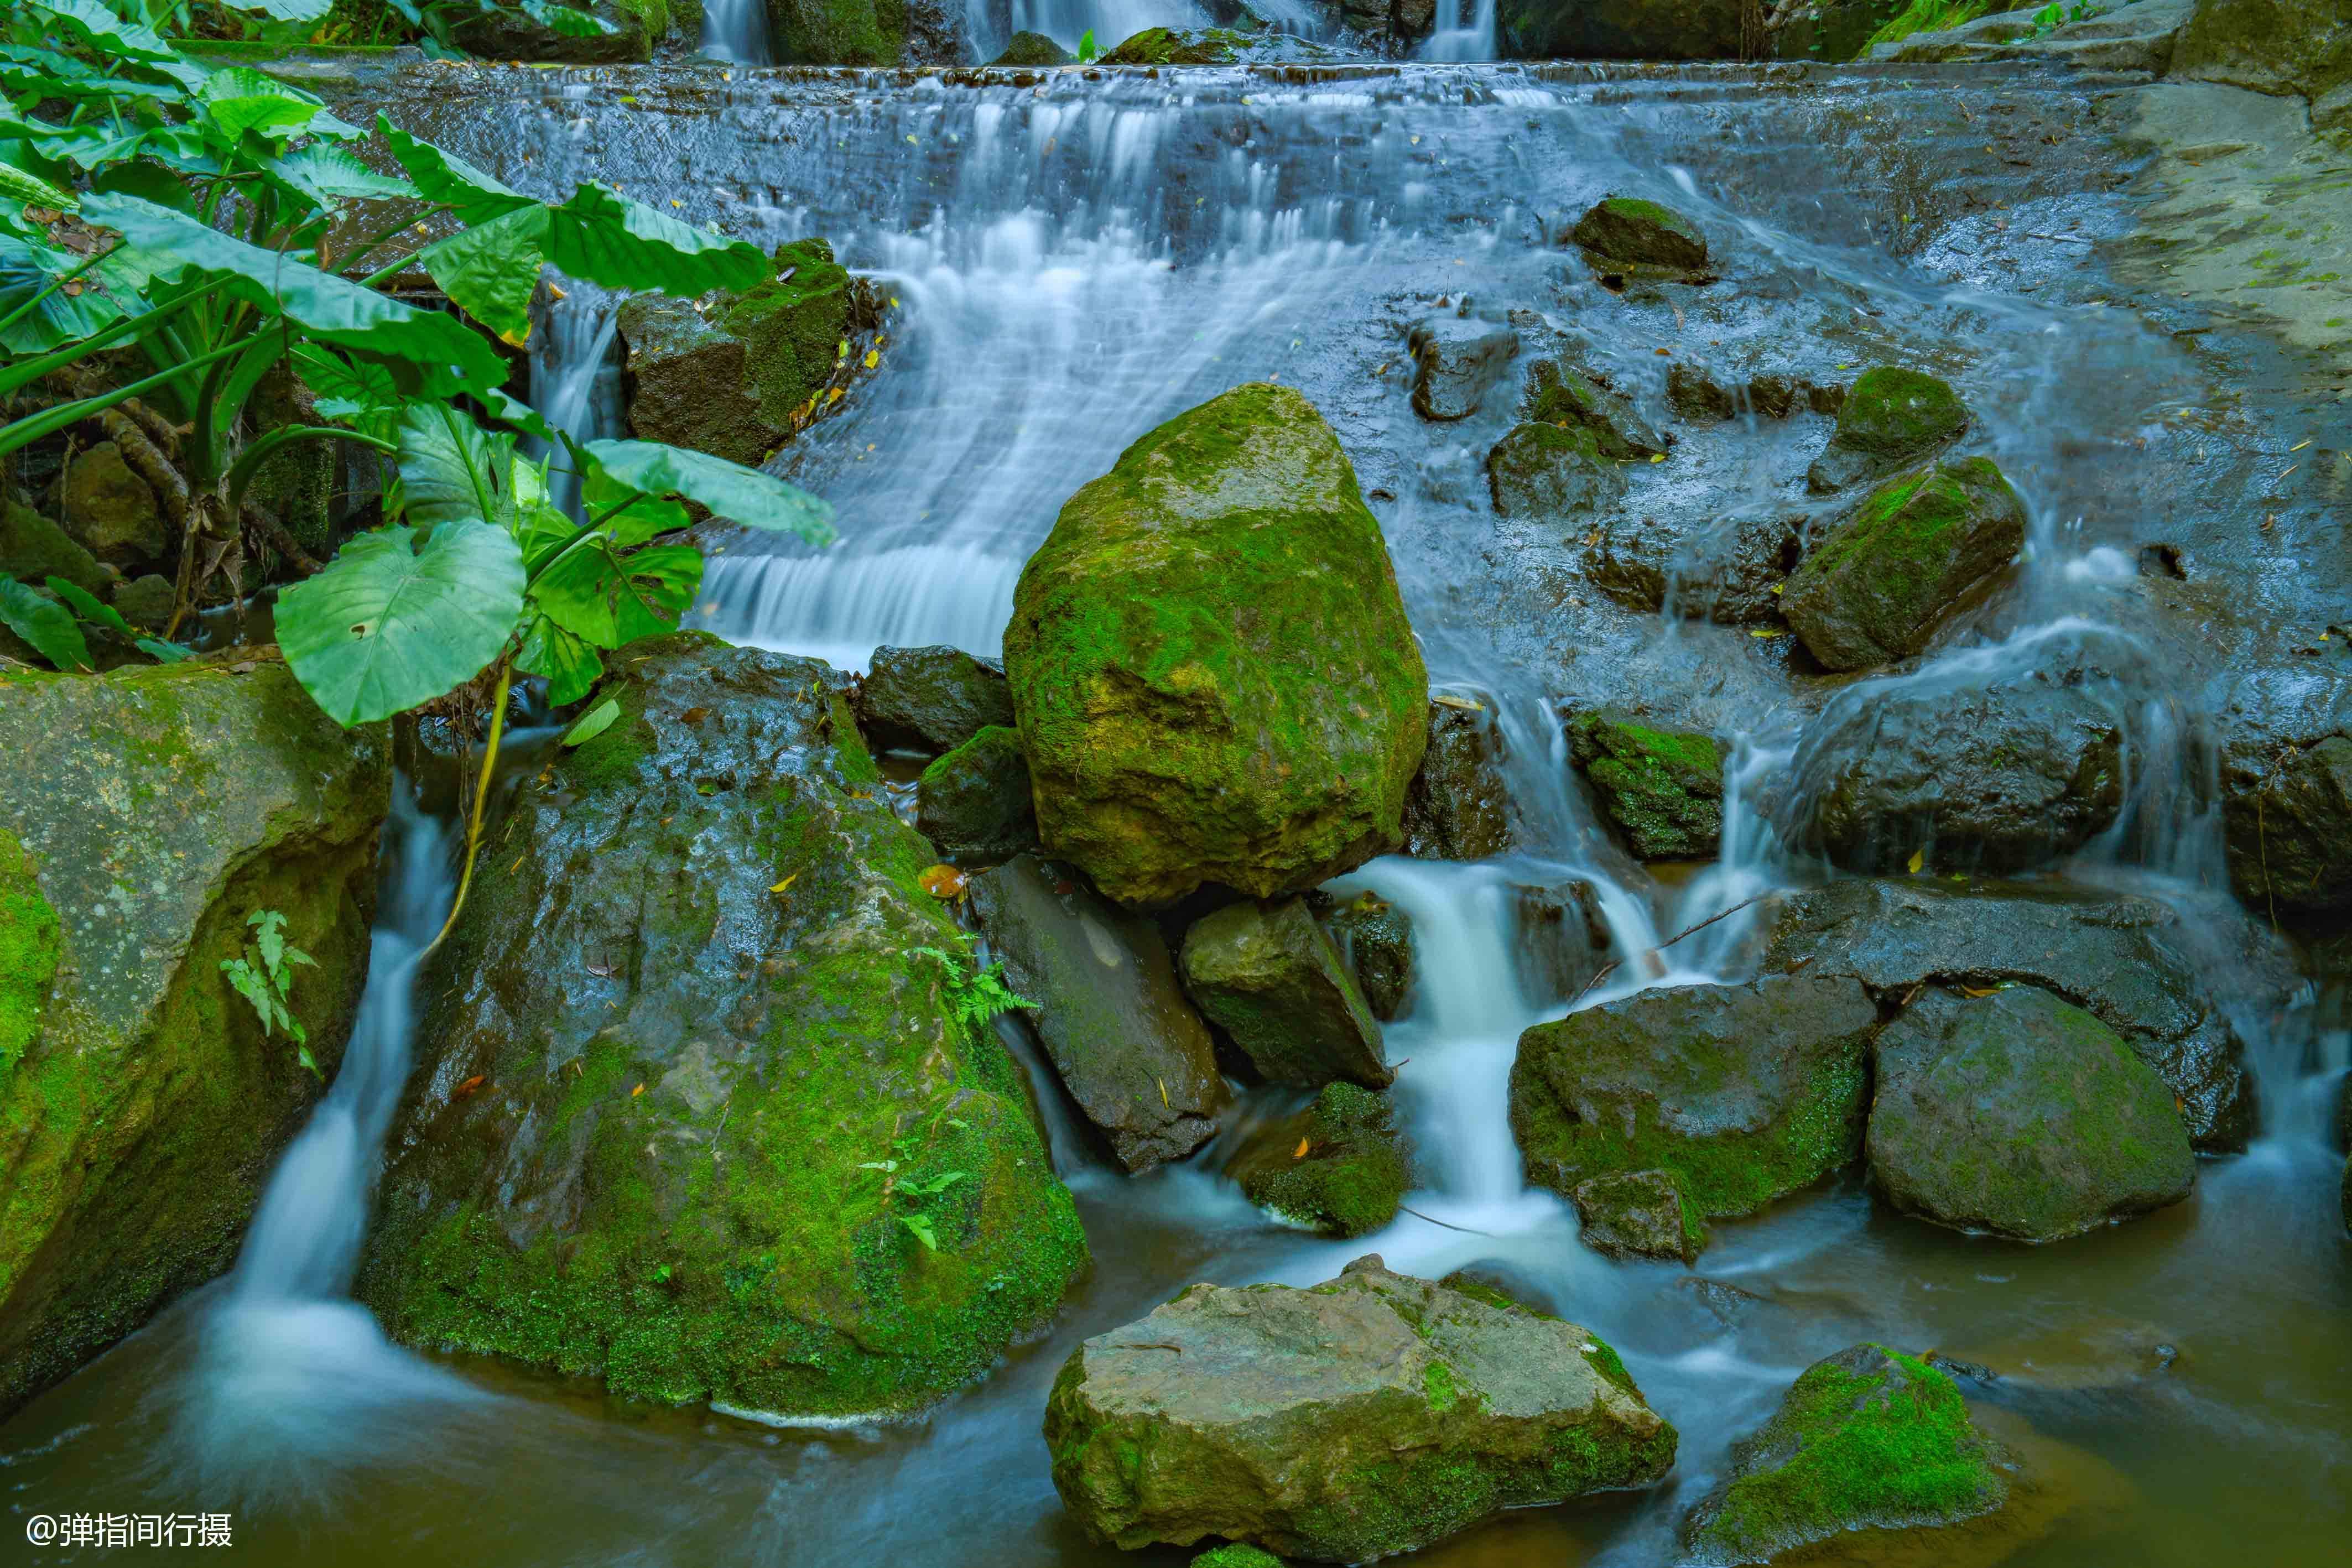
(1464, 1229)
(1606, 969)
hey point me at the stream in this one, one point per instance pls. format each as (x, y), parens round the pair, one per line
(1071, 262)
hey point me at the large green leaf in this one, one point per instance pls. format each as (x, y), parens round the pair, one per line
(451, 470)
(347, 389)
(240, 99)
(607, 238)
(23, 188)
(740, 494)
(91, 23)
(85, 604)
(610, 597)
(475, 196)
(387, 625)
(326, 173)
(430, 354)
(29, 75)
(570, 665)
(47, 625)
(26, 269)
(491, 270)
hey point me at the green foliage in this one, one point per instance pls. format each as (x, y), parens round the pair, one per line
(974, 994)
(265, 978)
(2055, 15)
(917, 1190)
(55, 627)
(1926, 17)
(1087, 51)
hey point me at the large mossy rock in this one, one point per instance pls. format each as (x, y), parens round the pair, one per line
(1662, 787)
(2290, 833)
(33, 549)
(1880, 582)
(2129, 961)
(1869, 1439)
(1033, 50)
(148, 815)
(740, 374)
(1369, 1416)
(973, 803)
(1216, 46)
(1110, 1012)
(1274, 981)
(111, 512)
(1338, 1166)
(2019, 1115)
(1214, 675)
(1563, 394)
(1742, 1093)
(844, 31)
(632, 29)
(1891, 417)
(703, 1114)
(2298, 47)
(1629, 234)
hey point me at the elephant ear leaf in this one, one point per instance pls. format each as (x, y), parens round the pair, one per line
(387, 625)
(606, 238)
(737, 494)
(451, 470)
(47, 625)
(475, 197)
(491, 270)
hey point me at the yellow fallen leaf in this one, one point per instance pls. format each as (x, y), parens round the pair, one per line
(833, 396)
(1978, 991)
(1300, 1152)
(637, 1091)
(1918, 858)
(1448, 699)
(1768, 631)
(1778, 586)
(1657, 457)
(1163, 1094)
(873, 357)
(2299, 444)
(786, 883)
(943, 882)
(676, 203)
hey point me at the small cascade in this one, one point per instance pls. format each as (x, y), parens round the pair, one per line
(1464, 31)
(736, 31)
(1112, 22)
(575, 376)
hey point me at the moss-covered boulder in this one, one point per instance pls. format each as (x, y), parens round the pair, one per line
(1662, 787)
(1553, 471)
(33, 549)
(148, 815)
(2019, 1115)
(738, 375)
(931, 699)
(1369, 1416)
(1338, 1166)
(111, 512)
(843, 32)
(632, 27)
(709, 1111)
(1033, 50)
(1458, 807)
(1212, 670)
(1742, 1094)
(1869, 1439)
(1562, 394)
(1376, 939)
(973, 803)
(2289, 829)
(1627, 234)
(1638, 1214)
(1269, 976)
(1879, 583)
(1890, 418)
(1259, 44)
(1110, 1012)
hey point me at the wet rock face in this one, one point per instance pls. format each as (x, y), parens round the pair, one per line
(2290, 835)
(141, 1106)
(1723, 570)
(1563, 940)
(1891, 417)
(1033, 50)
(973, 803)
(1339, 1167)
(2124, 959)
(111, 512)
(1562, 394)
(930, 699)
(1879, 583)
(1626, 233)
(1697, 393)
(1551, 471)
(1376, 939)
(849, 32)
(743, 376)
(1638, 1214)
(1458, 360)
(1458, 808)
(1366, 1416)
(2019, 1115)
(1271, 978)
(1869, 1439)
(702, 1134)
(1995, 776)
(1740, 1094)
(2298, 47)
(1662, 787)
(511, 35)
(1121, 1033)
(1191, 711)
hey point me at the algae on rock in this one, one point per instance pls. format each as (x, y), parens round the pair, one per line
(1338, 1166)
(1662, 787)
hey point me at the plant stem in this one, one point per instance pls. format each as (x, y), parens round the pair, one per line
(57, 283)
(481, 797)
(25, 432)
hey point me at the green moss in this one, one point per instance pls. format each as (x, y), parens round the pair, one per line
(795, 325)
(1894, 413)
(1664, 788)
(1354, 1175)
(1238, 1554)
(1926, 17)
(28, 953)
(1633, 233)
(1167, 47)
(1437, 1383)
(839, 32)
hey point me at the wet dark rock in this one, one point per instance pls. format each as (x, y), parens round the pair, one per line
(1638, 1214)
(2019, 1115)
(1338, 1166)
(33, 549)
(1662, 787)
(1629, 235)
(1622, 30)
(1376, 939)
(1190, 715)
(1458, 808)
(1411, 19)
(1110, 1012)
(930, 699)
(110, 511)
(2290, 833)
(144, 602)
(1723, 570)
(1271, 978)
(1869, 1439)
(1694, 393)
(1700, 394)
(2347, 1194)
(1033, 50)
(2128, 960)
(1563, 939)
(1994, 775)
(1560, 394)
(718, 1147)
(1551, 471)
(1890, 418)
(1742, 1094)
(510, 34)
(1369, 1416)
(1878, 585)
(1456, 361)
(973, 803)
(2137, 37)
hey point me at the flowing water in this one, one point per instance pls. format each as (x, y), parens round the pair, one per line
(1072, 264)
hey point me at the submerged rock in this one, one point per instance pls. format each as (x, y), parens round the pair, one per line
(1869, 1439)
(1890, 418)
(2019, 1115)
(1740, 1094)
(711, 1108)
(1551, 471)
(1457, 359)
(930, 699)
(1376, 939)
(1338, 1166)
(740, 375)
(1270, 977)
(1121, 1033)
(1662, 787)
(1561, 394)
(1638, 1214)
(1629, 235)
(2290, 834)
(2124, 959)
(973, 803)
(150, 814)
(1370, 1416)
(1727, 569)
(1458, 808)
(1033, 50)
(1215, 679)
(1879, 583)
(1696, 391)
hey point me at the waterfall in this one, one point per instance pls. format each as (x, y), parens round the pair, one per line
(1463, 31)
(736, 30)
(575, 377)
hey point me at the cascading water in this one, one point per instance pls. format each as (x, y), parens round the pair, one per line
(575, 376)
(736, 31)
(1463, 31)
